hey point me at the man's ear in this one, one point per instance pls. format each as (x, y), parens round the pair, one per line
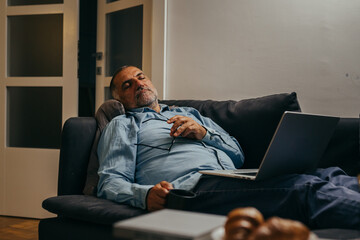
(115, 95)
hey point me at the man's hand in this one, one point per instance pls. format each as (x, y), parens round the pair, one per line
(186, 127)
(156, 198)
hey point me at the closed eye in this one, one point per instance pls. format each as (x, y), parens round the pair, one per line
(126, 85)
(141, 76)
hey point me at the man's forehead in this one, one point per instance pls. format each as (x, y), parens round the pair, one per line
(128, 72)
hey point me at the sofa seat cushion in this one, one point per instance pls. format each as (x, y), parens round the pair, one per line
(90, 209)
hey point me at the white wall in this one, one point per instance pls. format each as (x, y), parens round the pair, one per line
(235, 49)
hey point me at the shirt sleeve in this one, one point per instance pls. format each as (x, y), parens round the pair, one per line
(117, 164)
(219, 138)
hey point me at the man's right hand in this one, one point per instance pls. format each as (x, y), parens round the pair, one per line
(156, 198)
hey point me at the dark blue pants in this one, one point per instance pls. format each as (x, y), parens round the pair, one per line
(326, 198)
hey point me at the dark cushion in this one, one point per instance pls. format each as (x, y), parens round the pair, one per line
(344, 149)
(251, 121)
(107, 111)
(90, 209)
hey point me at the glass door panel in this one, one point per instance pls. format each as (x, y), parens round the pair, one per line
(32, 2)
(34, 117)
(124, 35)
(35, 45)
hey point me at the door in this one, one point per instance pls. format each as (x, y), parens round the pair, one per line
(38, 92)
(123, 38)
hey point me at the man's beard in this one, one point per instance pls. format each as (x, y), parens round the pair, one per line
(146, 97)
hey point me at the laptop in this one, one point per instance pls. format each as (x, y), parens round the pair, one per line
(169, 224)
(296, 147)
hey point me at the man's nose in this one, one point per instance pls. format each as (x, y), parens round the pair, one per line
(138, 83)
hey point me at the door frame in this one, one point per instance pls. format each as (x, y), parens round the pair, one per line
(29, 175)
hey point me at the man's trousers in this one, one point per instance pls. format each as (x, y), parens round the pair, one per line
(326, 198)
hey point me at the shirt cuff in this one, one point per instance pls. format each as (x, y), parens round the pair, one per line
(140, 194)
(210, 134)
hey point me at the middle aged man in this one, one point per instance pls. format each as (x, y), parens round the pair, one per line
(153, 149)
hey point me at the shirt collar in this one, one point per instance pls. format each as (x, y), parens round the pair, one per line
(163, 108)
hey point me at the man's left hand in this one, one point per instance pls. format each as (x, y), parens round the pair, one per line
(156, 197)
(186, 127)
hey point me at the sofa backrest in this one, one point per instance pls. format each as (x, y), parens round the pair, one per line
(343, 149)
(252, 122)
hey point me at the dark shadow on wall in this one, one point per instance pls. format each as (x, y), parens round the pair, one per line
(86, 57)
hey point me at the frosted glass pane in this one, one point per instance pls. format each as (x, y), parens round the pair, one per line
(34, 116)
(32, 2)
(124, 33)
(35, 45)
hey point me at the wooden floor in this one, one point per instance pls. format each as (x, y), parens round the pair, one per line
(12, 228)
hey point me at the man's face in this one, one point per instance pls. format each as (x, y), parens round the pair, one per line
(134, 89)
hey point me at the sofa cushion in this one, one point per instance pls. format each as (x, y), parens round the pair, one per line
(90, 209)
(344, 147)
(251, 121)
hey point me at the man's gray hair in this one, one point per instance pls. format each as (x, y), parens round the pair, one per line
(112, 84)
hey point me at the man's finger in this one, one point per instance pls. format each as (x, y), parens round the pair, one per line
(178, 123)
(179, 131)
(166, 185)
(175, 118)
(160, 191)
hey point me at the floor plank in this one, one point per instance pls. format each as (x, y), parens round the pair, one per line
(13, 228)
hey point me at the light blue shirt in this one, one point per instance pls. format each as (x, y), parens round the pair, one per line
(134, 154)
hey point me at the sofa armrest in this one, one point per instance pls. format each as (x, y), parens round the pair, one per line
(76, 141)
(343, 149)
(90, 209)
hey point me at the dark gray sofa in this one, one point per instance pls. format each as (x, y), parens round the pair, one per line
(251, 121)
